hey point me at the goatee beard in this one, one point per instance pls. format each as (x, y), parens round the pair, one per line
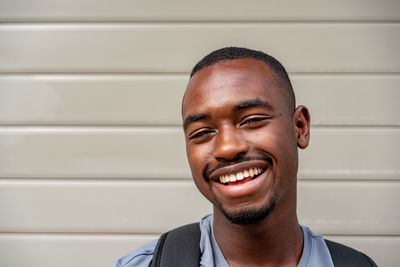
(249, 215)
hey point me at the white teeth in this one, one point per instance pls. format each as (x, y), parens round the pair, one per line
(222, 179)
(226, 178)
(251, 173)
(240, 175)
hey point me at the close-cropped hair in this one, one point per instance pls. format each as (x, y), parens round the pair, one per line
(232, 53)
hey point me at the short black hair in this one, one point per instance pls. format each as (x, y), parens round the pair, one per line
(232, 53)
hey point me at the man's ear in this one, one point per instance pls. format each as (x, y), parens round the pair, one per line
(301, 120)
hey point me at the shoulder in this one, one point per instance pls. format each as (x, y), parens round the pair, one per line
(345, 256)
(140, 257)
(143, 256)
(331, 253)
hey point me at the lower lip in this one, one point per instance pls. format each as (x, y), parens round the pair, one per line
(244, 188)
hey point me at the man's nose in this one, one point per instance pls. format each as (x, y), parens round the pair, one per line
(229, 144)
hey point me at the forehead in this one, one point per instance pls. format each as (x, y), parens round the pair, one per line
(228, 83)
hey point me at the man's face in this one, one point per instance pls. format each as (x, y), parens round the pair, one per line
(241, 139)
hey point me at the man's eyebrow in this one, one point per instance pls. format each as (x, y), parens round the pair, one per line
(256, 102)
(193, 118)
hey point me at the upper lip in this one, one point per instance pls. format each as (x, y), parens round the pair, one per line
(237, 167)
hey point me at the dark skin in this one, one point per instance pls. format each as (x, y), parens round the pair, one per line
(236, 118)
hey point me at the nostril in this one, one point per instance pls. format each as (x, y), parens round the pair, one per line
(234, 158)
(229, 146)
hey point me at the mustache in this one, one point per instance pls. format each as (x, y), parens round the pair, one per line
(240, 159)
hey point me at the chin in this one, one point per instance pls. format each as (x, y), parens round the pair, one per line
(247, 216)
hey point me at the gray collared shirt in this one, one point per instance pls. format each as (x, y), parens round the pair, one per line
(315, 252)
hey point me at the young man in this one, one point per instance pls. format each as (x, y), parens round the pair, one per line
(242, 131)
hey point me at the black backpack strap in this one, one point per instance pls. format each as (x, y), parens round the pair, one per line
(179, 247)
(343, 256)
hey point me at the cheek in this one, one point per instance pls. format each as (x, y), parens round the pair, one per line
(265, 140)
(197, 157)
(280, 144)
(198, 160)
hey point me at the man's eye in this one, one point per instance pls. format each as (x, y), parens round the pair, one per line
(200, 134)
(253, 120)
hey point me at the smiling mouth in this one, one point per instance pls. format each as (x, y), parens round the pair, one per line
(241, 177)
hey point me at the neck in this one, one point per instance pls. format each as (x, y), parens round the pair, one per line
(277, 240)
